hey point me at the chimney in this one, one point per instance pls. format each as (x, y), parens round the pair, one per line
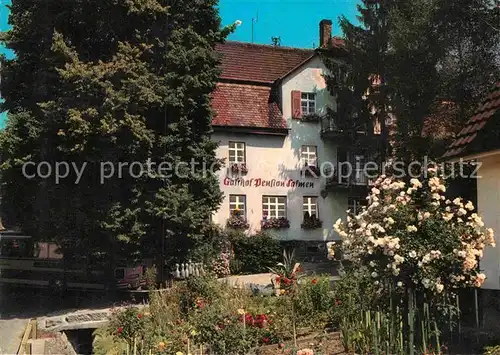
(325, 32)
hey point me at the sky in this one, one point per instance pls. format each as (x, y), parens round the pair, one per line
(296, 22)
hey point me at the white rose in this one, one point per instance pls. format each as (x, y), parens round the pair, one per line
(439, 287)
(374, 274)
(411, 228)
(412, 254)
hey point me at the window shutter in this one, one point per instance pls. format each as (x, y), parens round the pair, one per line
(296, 105)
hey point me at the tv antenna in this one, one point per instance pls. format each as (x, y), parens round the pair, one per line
(254, 21)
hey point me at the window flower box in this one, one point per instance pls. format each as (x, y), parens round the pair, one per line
(239, 168)
(237, 221)
(311, 117)
(275, 223)
(312, 170)
(311, 223)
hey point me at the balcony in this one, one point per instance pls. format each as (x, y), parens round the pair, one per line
(355, 181)
(342, 130)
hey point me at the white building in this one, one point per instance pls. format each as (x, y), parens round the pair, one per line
(479, 141)
(269, 105)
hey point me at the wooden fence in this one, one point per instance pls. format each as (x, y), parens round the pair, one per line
(29, 333)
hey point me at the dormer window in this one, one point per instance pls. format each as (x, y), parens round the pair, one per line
(308, 103)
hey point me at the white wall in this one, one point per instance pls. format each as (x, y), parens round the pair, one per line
(273, 157)
(488, 200)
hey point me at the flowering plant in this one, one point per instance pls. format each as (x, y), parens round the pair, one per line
(239, 168)
(311, 222)
(275, 223)
(413, 236)
(312, 117)
(237, 221)
(220, 266)
(287, 273)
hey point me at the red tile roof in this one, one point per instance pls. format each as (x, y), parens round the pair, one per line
(241, 105)
(461, 146)
(244, 96)
(259, 63)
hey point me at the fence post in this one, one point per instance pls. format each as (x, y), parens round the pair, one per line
(34, 329)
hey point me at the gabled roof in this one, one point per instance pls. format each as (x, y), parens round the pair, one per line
(259, 63)
(242, 105)
(471, 138)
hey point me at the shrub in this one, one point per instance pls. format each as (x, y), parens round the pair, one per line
(128, 324)
(314, 301)
(412, 249)
(209, 249)
(254, 254)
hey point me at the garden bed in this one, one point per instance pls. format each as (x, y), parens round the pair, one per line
(329, 343)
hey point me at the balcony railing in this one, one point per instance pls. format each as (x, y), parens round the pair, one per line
(357, 179)
(337, 128)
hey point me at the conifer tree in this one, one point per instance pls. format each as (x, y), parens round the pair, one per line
(358, 79)
(99, 81)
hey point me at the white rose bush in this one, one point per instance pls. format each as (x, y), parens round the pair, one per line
(418, 249)
(411, 235)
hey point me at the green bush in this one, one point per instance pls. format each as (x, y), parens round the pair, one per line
(254, 254)
(208, 249)
(314, 302)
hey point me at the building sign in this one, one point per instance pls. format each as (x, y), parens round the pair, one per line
(258, 182)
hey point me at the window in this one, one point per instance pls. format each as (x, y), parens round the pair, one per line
(274, 206)
(355, 204)
(308, 155)
(360, 177)
(310, 206)
(308, 103)
(237, 202)
(236, 152)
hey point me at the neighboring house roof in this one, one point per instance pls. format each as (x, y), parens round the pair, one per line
(259, 63)
(241, 105)
(482, 131)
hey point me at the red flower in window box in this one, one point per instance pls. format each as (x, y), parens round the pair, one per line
(275, 223)
(239, 168)
(237, 221)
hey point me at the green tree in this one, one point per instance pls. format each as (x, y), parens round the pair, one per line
(470, 32)
(106, 81)
(358, 79)
(422, 53)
